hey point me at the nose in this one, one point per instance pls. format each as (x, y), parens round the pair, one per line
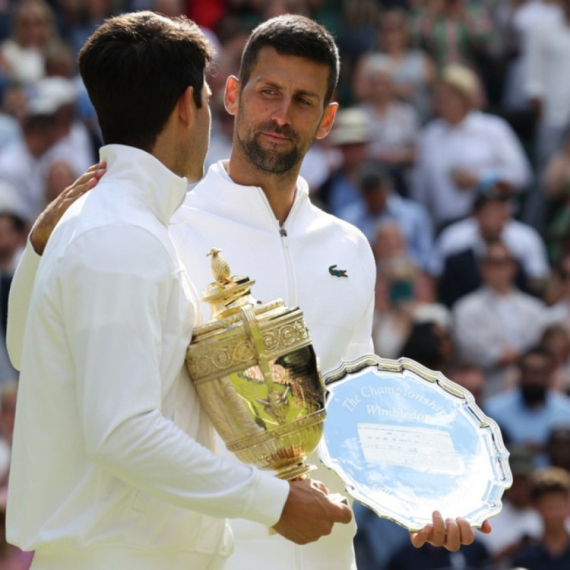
(281, 112)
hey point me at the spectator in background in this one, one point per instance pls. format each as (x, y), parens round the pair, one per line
(462, 149)
(530, 411)
(494, 325)
(558, 447)
(60, 175)
(556, 340)
(351, 136)
(380, 203)
(413, 72)
(556, 189)
(14, 228)
(452, 31)
(23, 163)
(461, 244)
(394, 125)
(560, 311)
(430, 345)
(550, 492)
(548, 80)
(517, 522)
(468, 375)
(22, 56)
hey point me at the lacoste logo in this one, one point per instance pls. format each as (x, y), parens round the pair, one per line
(337, 272)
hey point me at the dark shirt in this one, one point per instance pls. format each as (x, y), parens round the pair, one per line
(536, 557)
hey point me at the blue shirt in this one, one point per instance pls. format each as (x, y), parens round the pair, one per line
(412, 218)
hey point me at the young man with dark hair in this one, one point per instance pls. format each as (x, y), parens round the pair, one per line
(550, 493)
(256, 208)
(112, 465)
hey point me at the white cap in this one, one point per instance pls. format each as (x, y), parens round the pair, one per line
(51, 94)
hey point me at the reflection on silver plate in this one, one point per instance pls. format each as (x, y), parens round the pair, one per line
(407, 441)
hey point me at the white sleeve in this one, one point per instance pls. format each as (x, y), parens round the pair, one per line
(116, 302)
(19, 303)
(535, 65)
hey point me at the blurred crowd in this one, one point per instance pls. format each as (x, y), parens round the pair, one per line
(451, 152)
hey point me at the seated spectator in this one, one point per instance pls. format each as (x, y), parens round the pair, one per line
(351, 136)
(13, 230)
(413, 72)
(22, 56)
(462, 149)
(550, 492)
(560, 311)
(394, 125)
(494, 325)
(556, 340)
(468, 375)
(452, 31)
(462, 243)
(59, 176)
(558, 447)
(518, 522)
(380, 203)
(530, 411)
(556, 189)
(429, 344)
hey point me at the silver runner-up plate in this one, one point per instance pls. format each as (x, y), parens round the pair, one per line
(407, 441)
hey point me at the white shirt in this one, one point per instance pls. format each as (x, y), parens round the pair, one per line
(291, 263)
(111, 465)
(523, 241)
(548, 69)
(481, 143)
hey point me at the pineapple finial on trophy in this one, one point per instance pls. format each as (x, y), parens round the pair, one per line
(219, 266)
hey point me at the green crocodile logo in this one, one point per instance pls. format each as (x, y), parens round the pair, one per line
(337, 272)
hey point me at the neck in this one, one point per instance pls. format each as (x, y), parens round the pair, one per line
(501, 290)
(278, 188)
(381, 106)
(556, 539)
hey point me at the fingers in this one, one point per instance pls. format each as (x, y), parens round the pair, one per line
(453, 537)
(467, 536)
(320, 485)
(341, 513)
(420, 538)
(86, 181)
(486, 528)
(438, 535)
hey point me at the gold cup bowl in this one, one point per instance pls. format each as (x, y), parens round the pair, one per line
(257, 376)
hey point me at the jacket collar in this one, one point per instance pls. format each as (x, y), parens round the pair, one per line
(247, 204)
(157, 186)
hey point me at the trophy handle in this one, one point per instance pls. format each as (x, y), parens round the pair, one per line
(276, 404)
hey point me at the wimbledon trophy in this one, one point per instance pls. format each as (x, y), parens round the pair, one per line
(405, 440)
(257, 376)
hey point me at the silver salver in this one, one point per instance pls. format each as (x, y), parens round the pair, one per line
(407, 441)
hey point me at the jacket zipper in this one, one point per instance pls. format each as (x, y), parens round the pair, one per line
(292, 300)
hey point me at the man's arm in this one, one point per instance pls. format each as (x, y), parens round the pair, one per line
(23, 282)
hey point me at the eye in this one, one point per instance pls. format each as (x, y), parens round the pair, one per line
(268, 91)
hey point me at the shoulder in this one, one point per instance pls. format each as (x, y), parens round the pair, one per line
(501, 401)
(470, 304)
(491, 123)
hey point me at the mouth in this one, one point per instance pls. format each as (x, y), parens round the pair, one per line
(275, 137)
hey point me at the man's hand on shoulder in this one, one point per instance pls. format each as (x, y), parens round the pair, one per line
(309, 513)
(47, 220)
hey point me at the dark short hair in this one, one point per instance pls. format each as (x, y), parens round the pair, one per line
(538, 350)
(293, 35)
(136, 67)
(374, 175)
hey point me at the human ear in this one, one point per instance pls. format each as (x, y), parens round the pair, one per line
(231, 94)
(327, 121)
(187, 107)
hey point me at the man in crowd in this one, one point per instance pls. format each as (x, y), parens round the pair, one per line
(496, 323)
(256, 208)
(530, 411)
(107, 472)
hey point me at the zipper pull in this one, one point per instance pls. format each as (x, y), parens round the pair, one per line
(282, 232)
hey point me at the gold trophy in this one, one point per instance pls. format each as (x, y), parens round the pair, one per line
(257, 376)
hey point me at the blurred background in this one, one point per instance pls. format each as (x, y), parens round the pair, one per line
(451, 152)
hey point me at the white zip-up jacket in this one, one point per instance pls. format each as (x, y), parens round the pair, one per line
(111, 465)
(302, 263)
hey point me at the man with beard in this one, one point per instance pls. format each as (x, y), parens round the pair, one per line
(529, 412)
(256, 208)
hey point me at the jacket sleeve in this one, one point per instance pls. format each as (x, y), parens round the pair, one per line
(116, 288)
(19, 303)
